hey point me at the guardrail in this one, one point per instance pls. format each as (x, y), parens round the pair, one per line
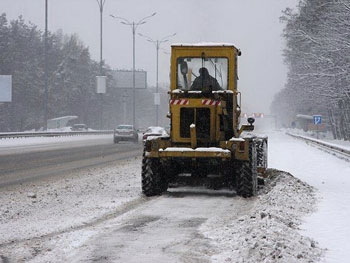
(331, 147)
(52, 134)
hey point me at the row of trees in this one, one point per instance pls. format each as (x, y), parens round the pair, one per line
(71, 77)
(71, 82)
(318, 57)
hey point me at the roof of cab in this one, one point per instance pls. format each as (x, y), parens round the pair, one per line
(203, 44)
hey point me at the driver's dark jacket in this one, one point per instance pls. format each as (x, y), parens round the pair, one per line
(205, 82)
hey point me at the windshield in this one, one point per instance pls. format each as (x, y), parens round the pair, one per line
(125, 127)
(198, 73)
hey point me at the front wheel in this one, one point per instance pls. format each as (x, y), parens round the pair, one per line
(153, 180)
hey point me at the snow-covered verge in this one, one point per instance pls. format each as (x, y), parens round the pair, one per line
(27, 141)
(270, 231)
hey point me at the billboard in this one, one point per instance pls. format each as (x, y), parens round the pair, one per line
(5, 88)
(124, 79)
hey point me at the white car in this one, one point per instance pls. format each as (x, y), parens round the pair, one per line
(154, 131)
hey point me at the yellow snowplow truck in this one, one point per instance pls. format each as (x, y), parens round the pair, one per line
(206, 141)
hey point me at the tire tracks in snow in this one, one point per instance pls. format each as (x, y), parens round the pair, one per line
(124, 208)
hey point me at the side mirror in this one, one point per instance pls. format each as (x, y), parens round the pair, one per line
(184, 68)
(251, 120)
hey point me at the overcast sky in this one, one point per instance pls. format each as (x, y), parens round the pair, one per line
(251, 25)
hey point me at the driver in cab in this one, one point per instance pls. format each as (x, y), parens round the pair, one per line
(204, 81)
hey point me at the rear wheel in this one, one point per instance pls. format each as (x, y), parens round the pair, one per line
(247, 174)
(153, 180)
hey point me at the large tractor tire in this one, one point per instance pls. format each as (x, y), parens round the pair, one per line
(153, 180)
(247, 176)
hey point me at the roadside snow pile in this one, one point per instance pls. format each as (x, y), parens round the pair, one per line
(270, 233)
(63, 203)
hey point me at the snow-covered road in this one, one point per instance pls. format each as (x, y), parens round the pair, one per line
(98, 214)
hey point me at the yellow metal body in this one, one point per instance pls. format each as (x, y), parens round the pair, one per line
(222, 111)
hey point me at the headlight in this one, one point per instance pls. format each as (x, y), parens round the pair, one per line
(155, 145)
(233, 147)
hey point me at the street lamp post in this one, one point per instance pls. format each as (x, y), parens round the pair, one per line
(46, 96)
(157, 45)
(101, 4)
(133, 26)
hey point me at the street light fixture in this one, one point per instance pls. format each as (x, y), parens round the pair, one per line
(157, 45)
(134, 25)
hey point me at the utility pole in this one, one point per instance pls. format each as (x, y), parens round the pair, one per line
(101, 5)
(46, 96)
